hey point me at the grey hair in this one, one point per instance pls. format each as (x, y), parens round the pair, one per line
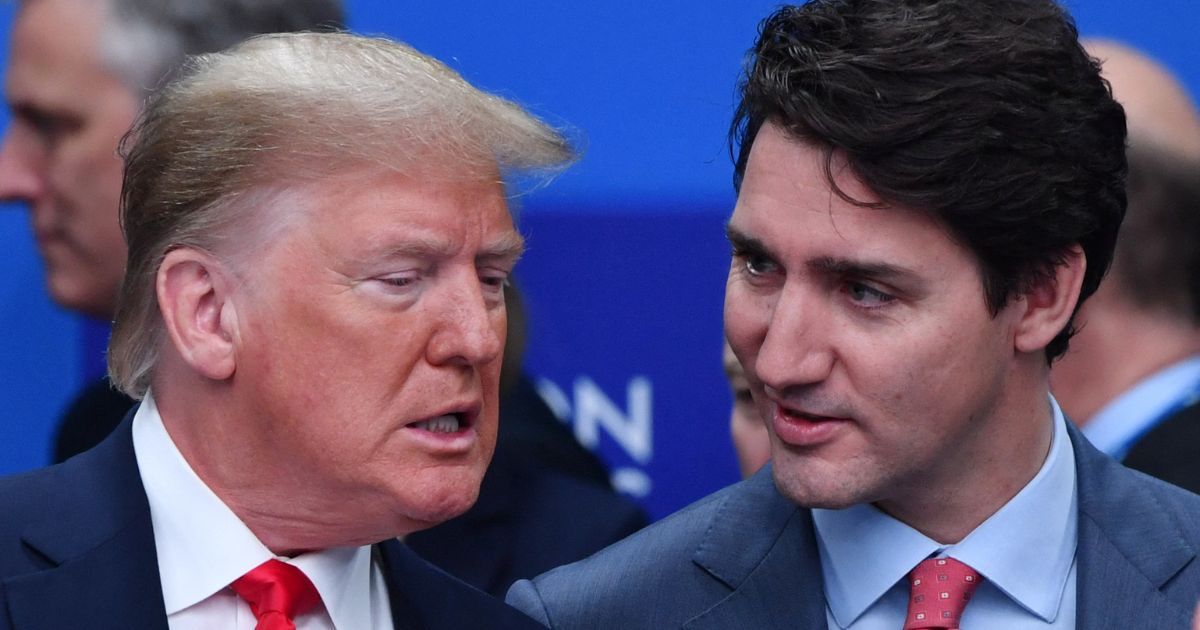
(144, 41)
(278, 112)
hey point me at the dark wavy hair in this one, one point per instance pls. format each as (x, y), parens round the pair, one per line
(987, 114)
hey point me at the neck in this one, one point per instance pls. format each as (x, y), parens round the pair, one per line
(1006, 449)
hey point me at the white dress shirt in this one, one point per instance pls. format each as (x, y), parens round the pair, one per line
(202, 547)
(1119, 424)
(1025, 553)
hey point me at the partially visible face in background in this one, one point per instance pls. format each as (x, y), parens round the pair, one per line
(59, 155)
(751, 441)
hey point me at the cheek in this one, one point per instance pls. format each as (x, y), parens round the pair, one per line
(746, 321)
(901, 371)
(87, 171)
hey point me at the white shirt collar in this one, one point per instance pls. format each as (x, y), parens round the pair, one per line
(1118, 424)
(865, 552)
(202, 546)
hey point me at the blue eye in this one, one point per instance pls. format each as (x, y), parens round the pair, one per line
(756, 264)
(866, 295)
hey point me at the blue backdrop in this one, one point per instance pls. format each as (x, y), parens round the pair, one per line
(626, 263)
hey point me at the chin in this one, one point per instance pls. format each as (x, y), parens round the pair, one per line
(79, 301)
(799, 488)
(439, 504)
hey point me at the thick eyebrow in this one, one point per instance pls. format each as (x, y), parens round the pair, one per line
(508, 248)
(863, 269)
(745, 243)
(867, 269)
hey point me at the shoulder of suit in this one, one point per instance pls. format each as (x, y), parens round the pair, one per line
(29, 494)
(655, 570)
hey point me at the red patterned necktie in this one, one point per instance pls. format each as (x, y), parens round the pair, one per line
(941, 588)
(276, 592)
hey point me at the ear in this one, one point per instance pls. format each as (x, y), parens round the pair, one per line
(1048, 306)
(195, 298)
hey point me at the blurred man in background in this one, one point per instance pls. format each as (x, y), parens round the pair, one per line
(751, 442)
(77, 75)
(1132, 376)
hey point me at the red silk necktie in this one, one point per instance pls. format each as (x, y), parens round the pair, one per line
(941, 588)
(277, 592)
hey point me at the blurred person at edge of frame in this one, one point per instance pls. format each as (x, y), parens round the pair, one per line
(78, 73)
(1131, 379)
(751, 442)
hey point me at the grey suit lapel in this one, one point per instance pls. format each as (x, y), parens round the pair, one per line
(762, 547)
(1129, 548)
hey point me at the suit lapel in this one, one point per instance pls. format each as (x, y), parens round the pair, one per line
(764, 548)
(114, 585)
(98, 540)
(1129, 545)
(424, 597)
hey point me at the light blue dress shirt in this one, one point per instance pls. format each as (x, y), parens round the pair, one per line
(1025, 553)
(1129, 416)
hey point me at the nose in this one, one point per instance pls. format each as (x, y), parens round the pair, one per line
(470, 331)
(22, 166)
(796, 350)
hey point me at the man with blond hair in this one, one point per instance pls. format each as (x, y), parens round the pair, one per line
(313, 317)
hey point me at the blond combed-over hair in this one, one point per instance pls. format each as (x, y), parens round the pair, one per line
(287, 110)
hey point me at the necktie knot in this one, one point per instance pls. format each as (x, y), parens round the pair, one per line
(277, 592)
(940, 590)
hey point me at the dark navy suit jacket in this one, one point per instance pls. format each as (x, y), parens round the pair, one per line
(524, 524)
(746, 557)
(77, 551)
(1171, 450)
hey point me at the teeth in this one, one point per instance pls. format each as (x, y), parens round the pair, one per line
(441, 424)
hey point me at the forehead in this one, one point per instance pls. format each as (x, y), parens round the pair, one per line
(54, 50)
(371, 213)
(787, 202)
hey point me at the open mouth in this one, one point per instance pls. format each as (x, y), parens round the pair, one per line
(446, 423)
(795, 414)
(801, 428)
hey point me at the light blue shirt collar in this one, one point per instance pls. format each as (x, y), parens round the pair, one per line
(1118, 424)
(1026, 549)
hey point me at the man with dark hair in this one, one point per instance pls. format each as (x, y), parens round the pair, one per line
(1132, 377)
(926, 192)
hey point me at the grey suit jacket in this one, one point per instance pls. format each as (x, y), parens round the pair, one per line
(745, 557)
